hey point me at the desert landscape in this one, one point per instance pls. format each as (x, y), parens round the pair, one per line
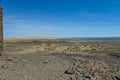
(59, 40)
(60, 59)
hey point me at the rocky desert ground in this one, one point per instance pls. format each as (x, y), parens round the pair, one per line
(60, 59)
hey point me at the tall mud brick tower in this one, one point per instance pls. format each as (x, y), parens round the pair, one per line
(1, 29)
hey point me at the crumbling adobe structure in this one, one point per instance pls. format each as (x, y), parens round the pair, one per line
(1, 29)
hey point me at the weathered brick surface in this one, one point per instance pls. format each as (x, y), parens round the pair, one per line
(1, 29)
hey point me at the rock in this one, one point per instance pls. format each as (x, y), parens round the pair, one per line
(118, 78)
(88, 77)
(9, 59)
(45, 61)
(2, 66)
(69, 72)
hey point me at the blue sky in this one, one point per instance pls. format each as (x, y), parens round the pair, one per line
(61, 18)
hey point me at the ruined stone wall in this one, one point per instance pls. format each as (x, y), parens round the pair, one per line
(1, 30)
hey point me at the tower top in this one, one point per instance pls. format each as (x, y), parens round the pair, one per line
(1, 8)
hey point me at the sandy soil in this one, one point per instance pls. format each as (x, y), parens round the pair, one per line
(33, 67)
(56, 67)
(59, 59)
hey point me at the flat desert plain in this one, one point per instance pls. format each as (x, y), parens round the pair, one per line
(60, 59)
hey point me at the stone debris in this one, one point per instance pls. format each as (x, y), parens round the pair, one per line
(93, 70)
(69, 72)
(118, 78)
(46, 67)
(46, 61)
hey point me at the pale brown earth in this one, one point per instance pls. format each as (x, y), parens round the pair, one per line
(60, 59)
(29, 38)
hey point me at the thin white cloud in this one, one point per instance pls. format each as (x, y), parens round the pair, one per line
(87, 14)
(16, 27)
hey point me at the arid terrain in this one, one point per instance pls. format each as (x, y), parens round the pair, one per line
(60, 59)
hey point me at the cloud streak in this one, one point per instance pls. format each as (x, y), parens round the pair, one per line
(19, 27)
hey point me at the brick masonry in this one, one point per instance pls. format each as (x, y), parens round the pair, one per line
(1, 29)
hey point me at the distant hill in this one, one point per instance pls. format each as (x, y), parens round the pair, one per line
(96, 38)
(29, 38)
(90, 38)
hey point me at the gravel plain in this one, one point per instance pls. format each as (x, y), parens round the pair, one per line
(60, 59)
(55, 67)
